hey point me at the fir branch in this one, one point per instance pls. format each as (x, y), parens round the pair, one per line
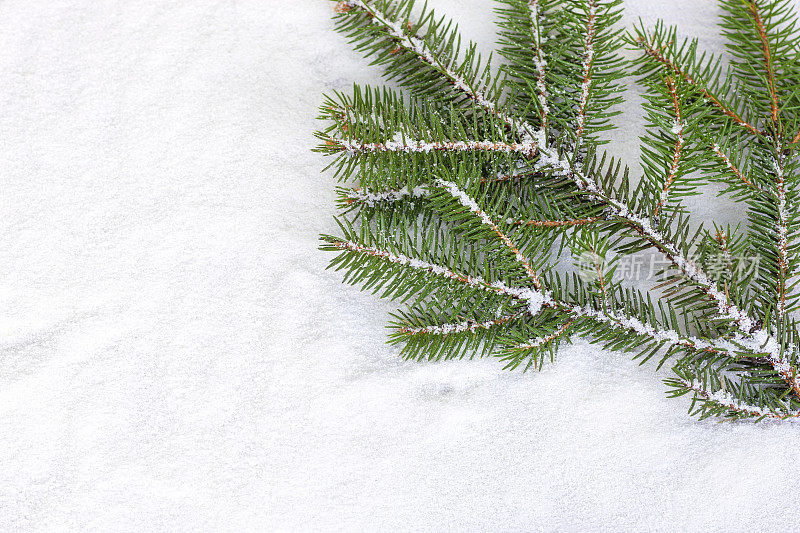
(664, 337)
(412, 145)
(540, 61)
(460, 327)
(417, 46)
(533, 299)
(556, 223)
(734, 170)
(720, 402)
(677, 129)
(657, 56)
(464, 199)
(588, 59)
(475, 253)
(762, 34)
(418, 264)
(541, 341)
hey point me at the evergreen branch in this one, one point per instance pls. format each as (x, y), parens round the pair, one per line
(541, 341)
(736, 172)
(539, 61)
(762, 33)
(444, 223)
(465, 200)
(364, 197)
(720, 402)
(413, 145)
(533, 299)
(556, 223)
(662, 336)
(783, 245)
(657, 56)
(550, 157)
(460, 327)
(418, 264)
(677, 129)
(588, 58)
(418, 47)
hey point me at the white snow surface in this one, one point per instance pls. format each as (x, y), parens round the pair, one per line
(174, 355)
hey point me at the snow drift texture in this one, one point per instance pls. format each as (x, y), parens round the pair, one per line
(173, 354)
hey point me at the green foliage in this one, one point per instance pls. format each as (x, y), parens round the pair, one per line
(465, 196)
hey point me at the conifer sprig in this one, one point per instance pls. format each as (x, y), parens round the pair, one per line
(468, 190)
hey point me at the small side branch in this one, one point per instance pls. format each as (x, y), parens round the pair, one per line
(734, 170)
(677, 129)
(731, 403)
(667, 336)
(762, 33)
(415, 45)
(533, 299)
(540, 61)
(656, 54)
(464, 199)
(588, 58)
(555, 223)
(541, 341)
(783, 245)
(415, 146)
(460, 327)
(418, 264)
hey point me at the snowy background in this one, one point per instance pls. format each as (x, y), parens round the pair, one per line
(174, 356)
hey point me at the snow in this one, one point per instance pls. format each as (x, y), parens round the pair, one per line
(413, 145)
(372, 198)
(176, 357)
(588, 58)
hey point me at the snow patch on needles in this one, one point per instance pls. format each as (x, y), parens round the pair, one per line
(372, 198)
(539, 61)
(418, 47)
(460, 327)
(588, 58)
(728, 400)
(413, 145)
(534, 299)
(782, 231)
